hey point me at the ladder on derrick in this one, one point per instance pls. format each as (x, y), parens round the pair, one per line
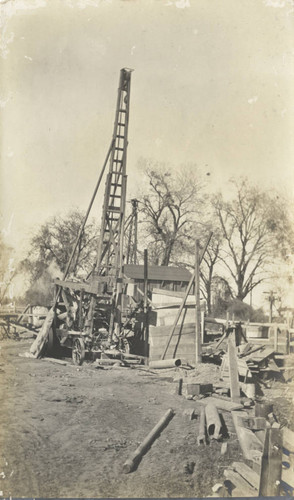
(108, 267)
(110, 250)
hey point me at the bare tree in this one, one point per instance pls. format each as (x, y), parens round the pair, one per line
(256, 230)
(53, 243)
(207, 269)
(168, 211)
(7, 269)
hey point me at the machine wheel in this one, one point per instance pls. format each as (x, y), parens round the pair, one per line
(78, 351)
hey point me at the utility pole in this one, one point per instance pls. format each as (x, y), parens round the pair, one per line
(198, 357)
(271, 299)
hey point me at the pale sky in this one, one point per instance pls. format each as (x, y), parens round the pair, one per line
(212, 86)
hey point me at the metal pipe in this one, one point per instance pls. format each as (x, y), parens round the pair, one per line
(131, 463)
(212, 421)
(165, 363)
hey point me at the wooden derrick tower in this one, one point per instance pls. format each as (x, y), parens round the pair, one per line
(86, 315)
(107, 272)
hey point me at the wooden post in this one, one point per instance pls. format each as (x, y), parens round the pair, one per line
(271, 464)
(275, 337)
(271, 301)
(31, 320)
(198, 357)
(233, 370)
(202, 326)
(134, 459)
(26, 310)
(146, 326)
(227, 319)
(81, 309)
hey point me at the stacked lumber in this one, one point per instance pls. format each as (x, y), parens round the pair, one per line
(260, 359)
(287, 475)
(269, 449)
(241, 480)
(275, 474)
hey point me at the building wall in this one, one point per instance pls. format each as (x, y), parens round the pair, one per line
(182, 344)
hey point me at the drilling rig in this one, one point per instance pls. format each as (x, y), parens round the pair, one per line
(88, 316)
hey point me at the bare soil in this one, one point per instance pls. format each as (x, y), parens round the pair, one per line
(66, 432)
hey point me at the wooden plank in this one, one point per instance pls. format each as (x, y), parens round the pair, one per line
(183, 344)
(271, 464)
(56, 361)
(162, 336)
(184, 359)
(251, 446)
(261, 354)
(240, 483)
(288, 469)
(21, 328)
(198, 352)
(221, 404)
(170, 307)
(288, 439)
(247, 473)
(161, 291)
(233, 371)
(39, 342)
(164, 331)
(254, 423)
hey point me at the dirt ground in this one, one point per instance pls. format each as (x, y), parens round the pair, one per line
(66, 432)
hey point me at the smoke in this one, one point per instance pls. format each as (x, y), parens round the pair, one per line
(41, 291)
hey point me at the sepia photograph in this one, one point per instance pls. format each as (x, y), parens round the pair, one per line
(146, 249)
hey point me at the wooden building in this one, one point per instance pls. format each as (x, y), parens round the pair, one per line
(166, 288)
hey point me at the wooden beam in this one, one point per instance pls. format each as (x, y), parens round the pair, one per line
(288, 439)
(240, 483)
(146, 322)
(160, 291)
(198, 357)
(221, 404)
(271, 464)
(134, 459)
(250, 444)
(247, 473)
(233, 371)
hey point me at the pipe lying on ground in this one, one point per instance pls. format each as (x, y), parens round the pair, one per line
(213, 422)
(108, 362)
(165, 363)
(201, 435)
(133, 356)
(131, 463)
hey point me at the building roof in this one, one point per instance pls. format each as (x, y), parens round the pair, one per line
(157, 273)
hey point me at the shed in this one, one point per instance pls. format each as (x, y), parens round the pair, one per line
(165, 277)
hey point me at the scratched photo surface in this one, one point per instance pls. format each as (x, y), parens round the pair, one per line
(162, 363)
